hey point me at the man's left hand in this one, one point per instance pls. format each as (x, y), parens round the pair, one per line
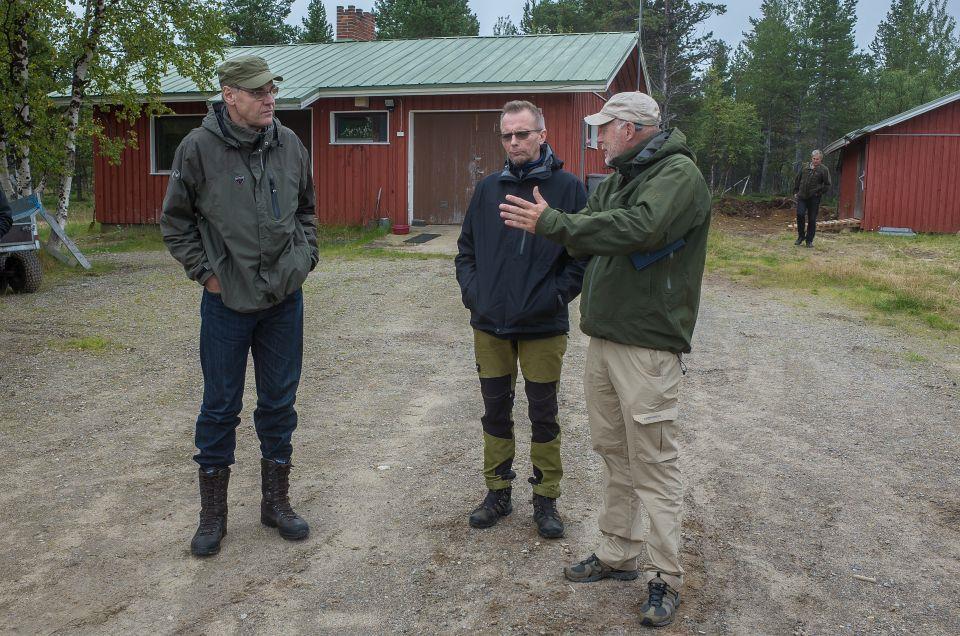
(523, 214)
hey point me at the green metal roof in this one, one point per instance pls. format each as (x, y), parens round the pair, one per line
(560, 62)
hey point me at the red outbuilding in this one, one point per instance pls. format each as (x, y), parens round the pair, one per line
(905, 170)
(397, 129)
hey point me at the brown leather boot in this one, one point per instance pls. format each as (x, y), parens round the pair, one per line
(213, 511)
(275, 509)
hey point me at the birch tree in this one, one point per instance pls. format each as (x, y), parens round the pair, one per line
(116, 50)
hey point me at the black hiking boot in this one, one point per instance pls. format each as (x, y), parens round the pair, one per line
(799, 241)
(495, 505)
(661, 604)
(593, 569)
(275, 509)
(213, 511)
(549, 523)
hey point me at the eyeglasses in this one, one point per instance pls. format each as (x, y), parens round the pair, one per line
(521, 135)
(258, 94)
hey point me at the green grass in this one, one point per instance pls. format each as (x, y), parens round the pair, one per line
(906, 283)
(91, 344)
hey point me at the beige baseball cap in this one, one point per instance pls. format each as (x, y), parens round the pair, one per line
(635, 107)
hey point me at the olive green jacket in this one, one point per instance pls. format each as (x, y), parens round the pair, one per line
(240, 204)
(656, 197)
(811, 182)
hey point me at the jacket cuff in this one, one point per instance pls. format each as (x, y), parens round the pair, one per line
(202, 274)
(547, 221)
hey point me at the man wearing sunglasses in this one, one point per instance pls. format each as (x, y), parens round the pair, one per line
(517, 288)
(646, 228)
(239, 215)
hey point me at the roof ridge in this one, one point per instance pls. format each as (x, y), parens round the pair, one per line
(446, 37)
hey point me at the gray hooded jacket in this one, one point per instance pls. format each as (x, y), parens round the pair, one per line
(240, 204)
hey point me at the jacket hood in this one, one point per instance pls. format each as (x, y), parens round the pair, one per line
(545, 168)
(217, 121)
(669, 142)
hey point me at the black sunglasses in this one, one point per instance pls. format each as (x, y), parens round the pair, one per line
(521, 135)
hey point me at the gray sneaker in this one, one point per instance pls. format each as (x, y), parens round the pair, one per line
(661, 604)
(593, 569)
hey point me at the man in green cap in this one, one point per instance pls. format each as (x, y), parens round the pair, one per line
(239, 215)
(645, 227)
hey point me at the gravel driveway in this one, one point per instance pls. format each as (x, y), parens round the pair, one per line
(821, 455)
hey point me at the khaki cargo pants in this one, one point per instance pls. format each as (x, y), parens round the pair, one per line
(541, 361)
(631, 395)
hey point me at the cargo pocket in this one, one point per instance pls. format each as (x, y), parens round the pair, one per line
(653, 435)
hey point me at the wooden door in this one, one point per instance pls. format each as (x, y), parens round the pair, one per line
(451, 153)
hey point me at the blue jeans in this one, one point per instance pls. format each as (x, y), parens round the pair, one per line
(275, 336)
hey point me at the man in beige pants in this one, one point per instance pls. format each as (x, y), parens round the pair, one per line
(646, 229)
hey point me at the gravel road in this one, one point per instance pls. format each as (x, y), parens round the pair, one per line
(821, 456)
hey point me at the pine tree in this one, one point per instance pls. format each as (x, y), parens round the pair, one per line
(411, 19)
(556, 16)
(256, 22)
(835, 69)
(315, 27)
(915, 55)
(505, 26)
(769, 73)
(674, 50)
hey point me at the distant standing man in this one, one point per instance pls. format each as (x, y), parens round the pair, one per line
(811, 183)
(646, 228)
(517, 288)
(239, 216)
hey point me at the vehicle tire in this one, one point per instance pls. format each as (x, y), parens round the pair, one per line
(23, 272)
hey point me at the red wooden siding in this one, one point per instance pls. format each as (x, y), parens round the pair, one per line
(911, 174)
(349, 177)
(127, 193)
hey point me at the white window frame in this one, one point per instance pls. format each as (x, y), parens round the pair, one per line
(590, 136)
(153, 139)
(333, 128)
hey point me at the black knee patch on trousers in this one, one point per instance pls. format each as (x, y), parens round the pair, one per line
(543, 409)
(498, 406)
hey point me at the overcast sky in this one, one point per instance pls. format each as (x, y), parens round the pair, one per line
(728, 27)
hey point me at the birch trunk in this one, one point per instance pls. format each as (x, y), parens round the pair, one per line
(94, 23)
(5, 181)
(19, 74)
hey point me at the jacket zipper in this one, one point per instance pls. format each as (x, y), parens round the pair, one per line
(273, 199)
(669, 270)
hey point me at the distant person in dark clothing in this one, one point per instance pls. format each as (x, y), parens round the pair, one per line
(6, 219)
(812, 182)
(517, 287)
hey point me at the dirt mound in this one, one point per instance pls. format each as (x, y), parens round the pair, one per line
(755, 208)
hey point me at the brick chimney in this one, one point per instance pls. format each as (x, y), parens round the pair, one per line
(354, 24)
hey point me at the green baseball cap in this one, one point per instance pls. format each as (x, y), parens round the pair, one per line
(246, 71)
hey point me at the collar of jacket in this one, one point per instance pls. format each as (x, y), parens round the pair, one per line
(238, 136)
(636, 159)
(544, 167)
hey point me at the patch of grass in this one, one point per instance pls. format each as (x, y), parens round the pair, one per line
(911, 356)
(911, 283)
(91, 344)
